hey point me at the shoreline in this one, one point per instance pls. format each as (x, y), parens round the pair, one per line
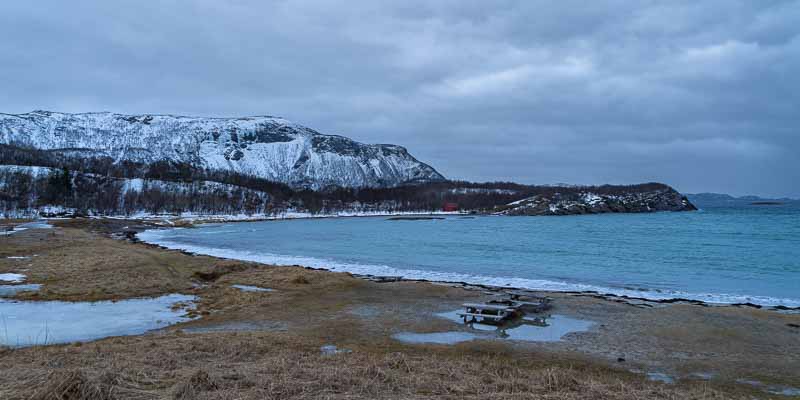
(638, 341)
(624, 294)
(193, 218)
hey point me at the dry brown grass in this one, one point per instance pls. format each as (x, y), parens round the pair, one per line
(75, 264)
(197, 384)
(73, 385)
(279, 366)
(79, 262)
(300, 280)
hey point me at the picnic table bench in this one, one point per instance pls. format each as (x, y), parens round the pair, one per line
(487, 312)
(529, 302)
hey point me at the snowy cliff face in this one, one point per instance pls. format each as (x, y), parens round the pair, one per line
(265, 147)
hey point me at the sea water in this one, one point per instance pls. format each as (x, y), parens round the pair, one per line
(720, 255)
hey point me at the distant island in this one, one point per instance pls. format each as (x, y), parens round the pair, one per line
(726, 200)
(105, 164)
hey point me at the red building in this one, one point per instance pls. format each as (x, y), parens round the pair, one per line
(450, 207)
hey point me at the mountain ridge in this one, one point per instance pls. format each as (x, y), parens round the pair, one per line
(266, 147)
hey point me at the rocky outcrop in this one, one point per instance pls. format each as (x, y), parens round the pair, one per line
(598, 200)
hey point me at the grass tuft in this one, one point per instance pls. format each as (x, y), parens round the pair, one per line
(74, 385)
(300, 280)
(191, 388)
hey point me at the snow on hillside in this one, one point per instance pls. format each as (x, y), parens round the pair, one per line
(588, 202)
(223, 197)
(267, 147)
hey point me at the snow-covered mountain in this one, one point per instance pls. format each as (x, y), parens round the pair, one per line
(266, 147)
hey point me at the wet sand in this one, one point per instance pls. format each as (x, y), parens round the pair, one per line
(706, 352)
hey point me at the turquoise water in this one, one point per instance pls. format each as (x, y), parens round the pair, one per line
(723, 255)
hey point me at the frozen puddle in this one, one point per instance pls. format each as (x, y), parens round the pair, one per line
(246, 288)
(660, 377)
(550, 329)
(772, 389)
(329, 350)
(36, 225)
(706, 376)
(11, 290)
(655, 376)
(29, 323)
(29, 225)
(436, 337)
(12, 278)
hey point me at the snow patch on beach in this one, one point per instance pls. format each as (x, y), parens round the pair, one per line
(13, 278)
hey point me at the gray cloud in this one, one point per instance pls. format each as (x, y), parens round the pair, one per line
(700, 95)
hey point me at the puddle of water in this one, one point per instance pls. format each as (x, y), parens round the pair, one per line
(772, 389)
(26, 226)
(29, 323)
(749, 382)
(35, 225)
(13, 278)
(329, 350)
(10, 290)
(788, 391)
(660, 377)
(706, 376)
(435, 338)
(365, 311)
(552, 328)
(557, 327)
(246, 288)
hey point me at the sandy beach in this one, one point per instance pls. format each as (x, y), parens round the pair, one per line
(319, 334)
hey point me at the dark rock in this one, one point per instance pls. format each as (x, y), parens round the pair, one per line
(751, 305)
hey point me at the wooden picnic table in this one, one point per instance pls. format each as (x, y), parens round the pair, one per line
(492, 312)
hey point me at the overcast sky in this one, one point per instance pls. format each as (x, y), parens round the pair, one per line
(702, 95)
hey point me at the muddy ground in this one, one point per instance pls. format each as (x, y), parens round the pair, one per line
(267, 344)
